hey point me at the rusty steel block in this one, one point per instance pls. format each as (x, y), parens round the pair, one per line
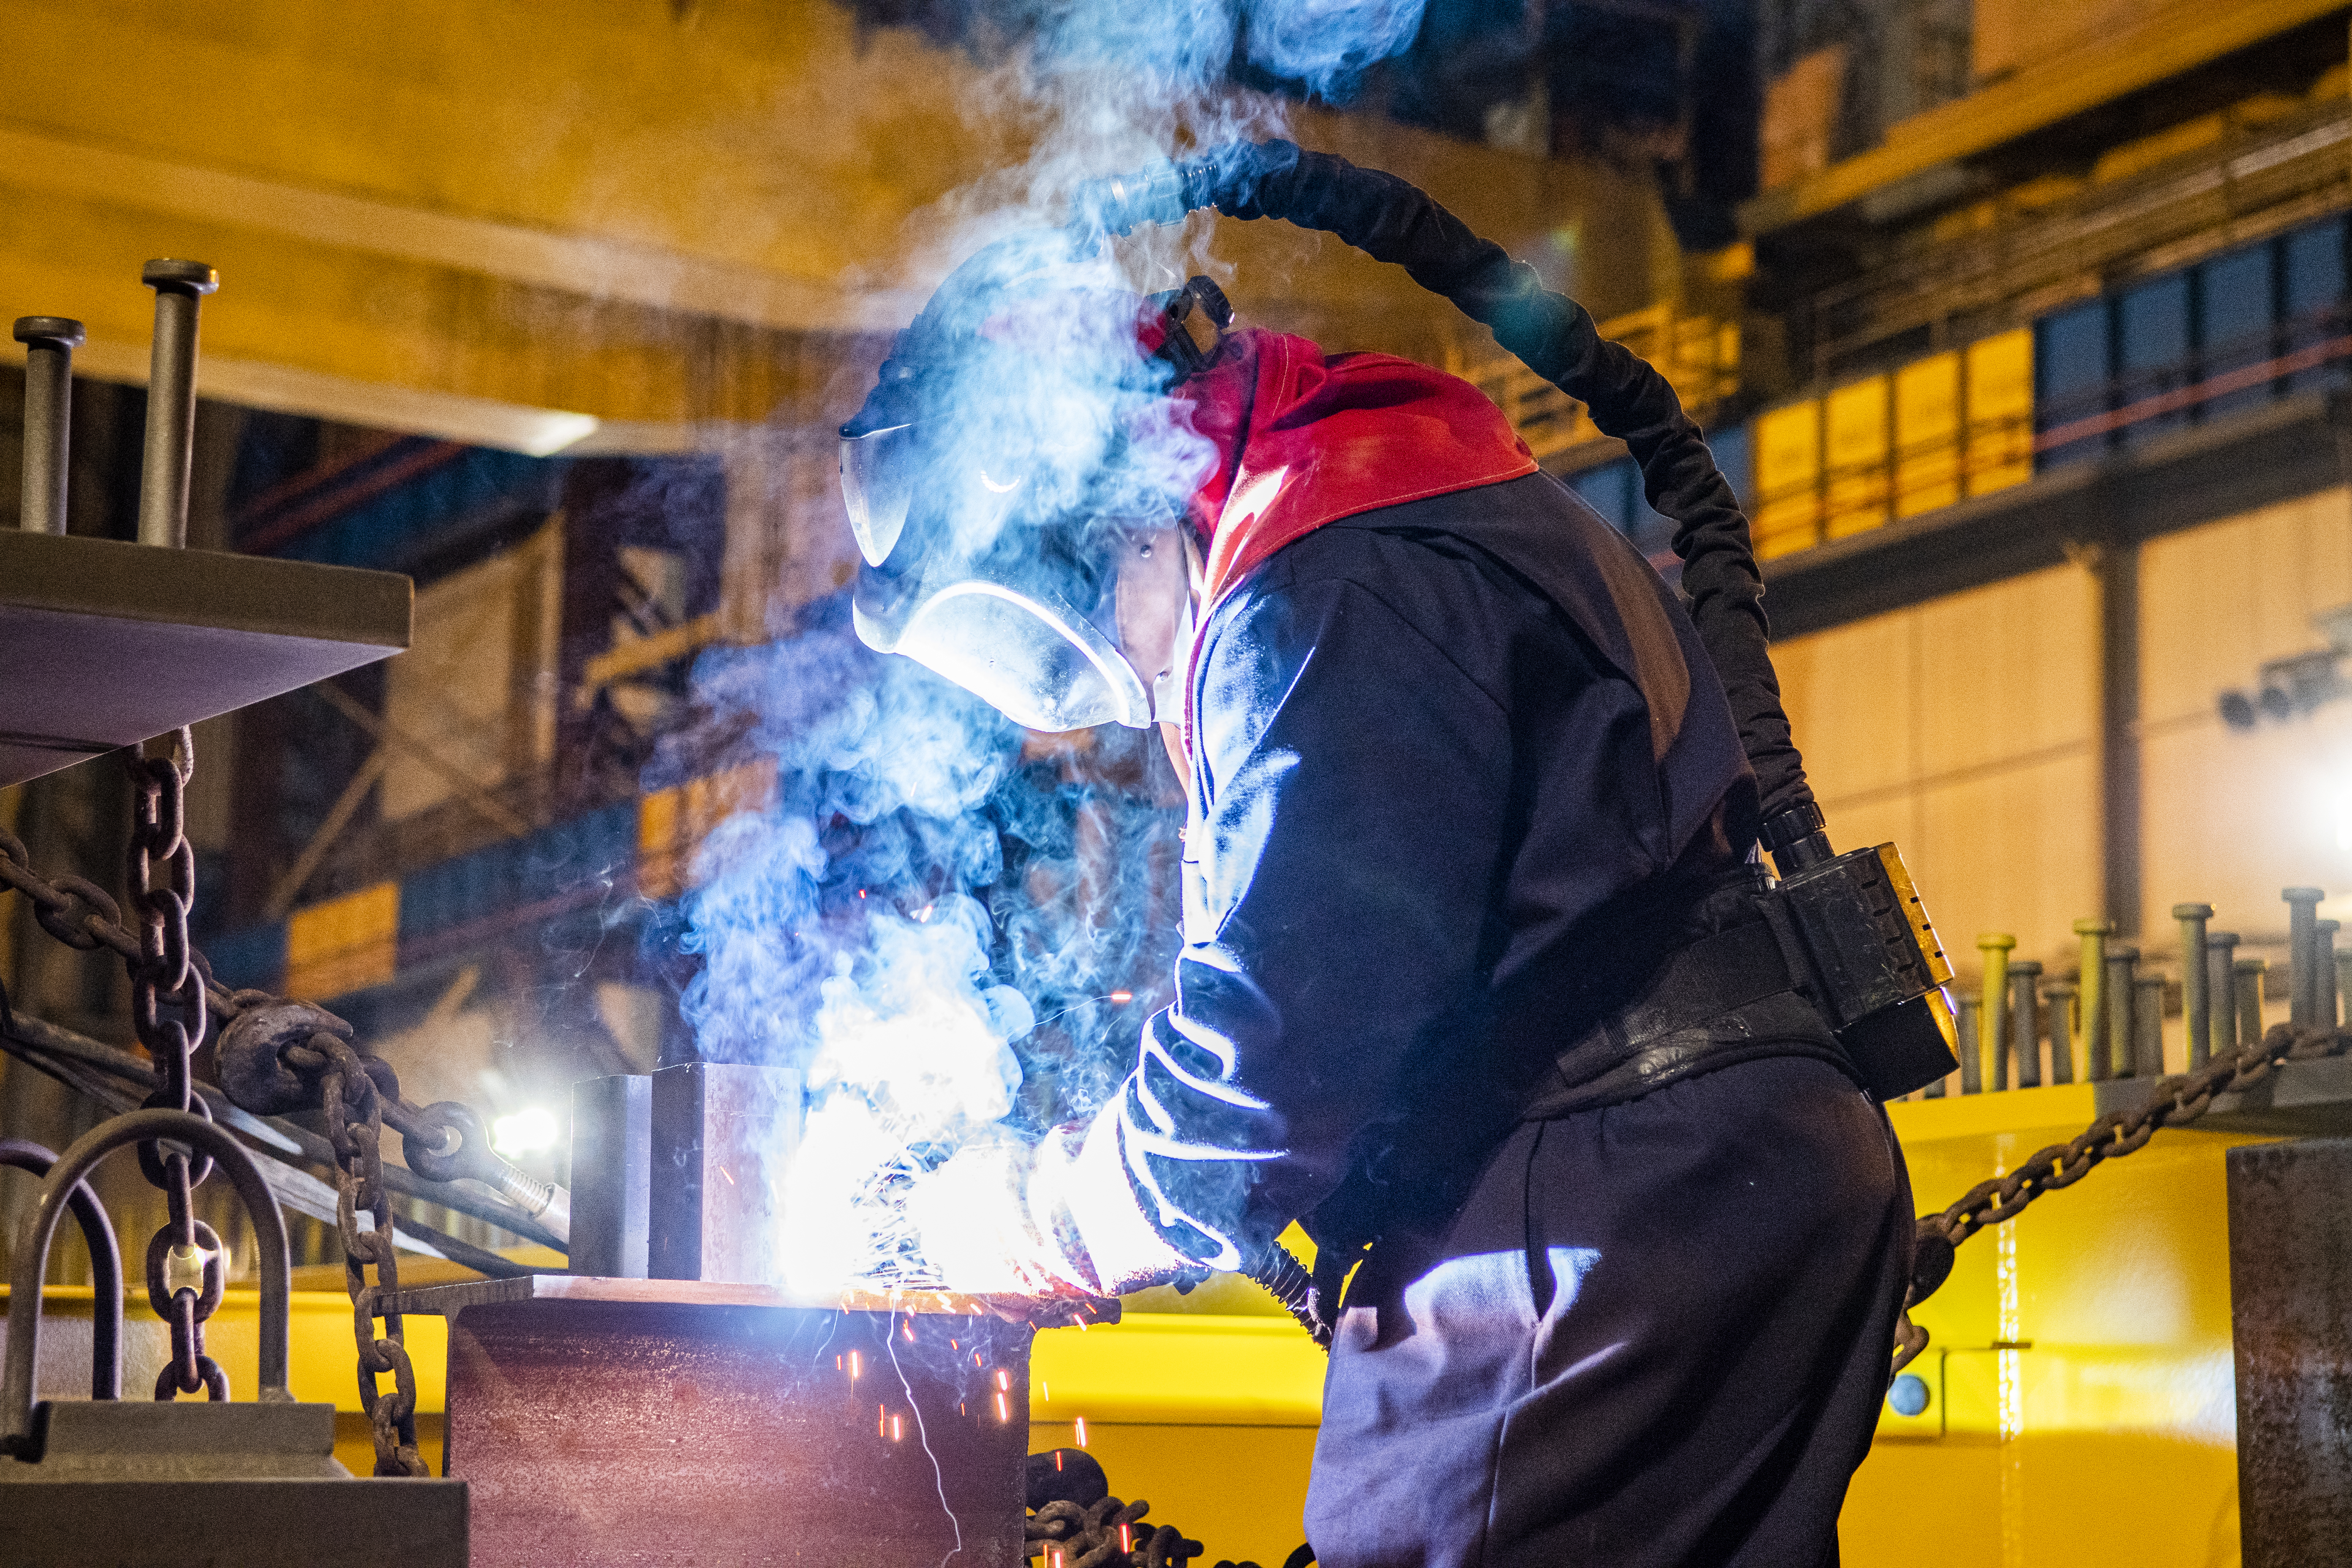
(2290, 1318)
(722, 1137)
(649, 1423)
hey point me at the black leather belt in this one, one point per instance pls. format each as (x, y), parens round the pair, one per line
(1722, 999)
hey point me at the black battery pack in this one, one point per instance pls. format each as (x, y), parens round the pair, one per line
(1856, 935)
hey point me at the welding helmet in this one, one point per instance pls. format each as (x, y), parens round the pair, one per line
(1020, 433)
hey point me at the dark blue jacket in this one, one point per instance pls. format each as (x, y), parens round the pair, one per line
(1460, 770)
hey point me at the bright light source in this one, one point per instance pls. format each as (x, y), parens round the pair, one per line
(524, 1133)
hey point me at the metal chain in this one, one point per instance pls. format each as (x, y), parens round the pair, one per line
(168, 1012)
(84, 917)
(172, 996)
(2175, 1103)
(356, 1127)
(1107, 1533)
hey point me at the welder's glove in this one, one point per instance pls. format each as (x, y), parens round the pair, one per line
(1059, 1219)
(1084, 1207)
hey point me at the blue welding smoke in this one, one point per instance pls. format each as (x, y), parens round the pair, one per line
(919, 896)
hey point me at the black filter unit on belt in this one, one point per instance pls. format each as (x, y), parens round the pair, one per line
(1851, 927)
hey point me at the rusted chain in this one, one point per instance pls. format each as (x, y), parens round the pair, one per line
(295, 1055)
(2174, 1102)
(1107, 1533)
(168, 1013)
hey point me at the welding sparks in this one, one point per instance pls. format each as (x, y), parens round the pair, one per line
(1003, 1410)
(1082, 1431)
(853, 1369)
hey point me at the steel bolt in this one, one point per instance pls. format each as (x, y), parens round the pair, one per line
(2093, 1009)
(2061, 996)
(2112, 1056)
(2221, 987)
(2303, 953)
(2247, 975)
(1994, 1019)
(180, 287)
(49, 342)
(2025, 1022)
(2195, 1008)
(1965, 1034)
(2325, 966)
(2147, 1027)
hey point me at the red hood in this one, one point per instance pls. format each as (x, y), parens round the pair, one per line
(1304, 439)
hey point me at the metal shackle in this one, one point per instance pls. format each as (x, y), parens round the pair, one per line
(105, 1267)
(39, 1228)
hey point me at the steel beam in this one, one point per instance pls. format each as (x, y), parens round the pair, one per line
(599, 1423)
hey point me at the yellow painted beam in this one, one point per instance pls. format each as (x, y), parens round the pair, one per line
(2141, 55)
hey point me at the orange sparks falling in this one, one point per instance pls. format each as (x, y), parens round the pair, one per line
(1082, 1431)
(1126, 1538)
(1004, 1379)
(1058, 1458)
(908, 1328)
(881, 1422)
(1004, 1411)
(853, 1368)
(898, 1427)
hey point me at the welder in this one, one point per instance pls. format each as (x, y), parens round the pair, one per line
(1478, 983)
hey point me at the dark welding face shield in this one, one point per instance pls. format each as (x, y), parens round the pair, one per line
(989, 481)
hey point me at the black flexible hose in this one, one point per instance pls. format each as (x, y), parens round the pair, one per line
(1395, 221)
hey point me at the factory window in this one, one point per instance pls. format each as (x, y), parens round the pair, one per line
(2247, 326)
(1894, 446)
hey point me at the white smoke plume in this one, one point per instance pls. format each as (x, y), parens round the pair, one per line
(865, 930)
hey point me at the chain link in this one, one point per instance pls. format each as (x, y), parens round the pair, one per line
(2175, 1103)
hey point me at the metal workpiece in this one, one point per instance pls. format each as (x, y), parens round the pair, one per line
(2147, 1027)
(180, 287)
(722, 1137)
(2024, 1023)
(2058, 1005)
(2248, 976)
(2221, 990)
(49, 342)
(1992, 1018)
(2092, 1010)
(612, 1169)
(2291, 1326)
(2303, 954)
(784, 1432)
(2112, 1056)
(2196, 1006)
